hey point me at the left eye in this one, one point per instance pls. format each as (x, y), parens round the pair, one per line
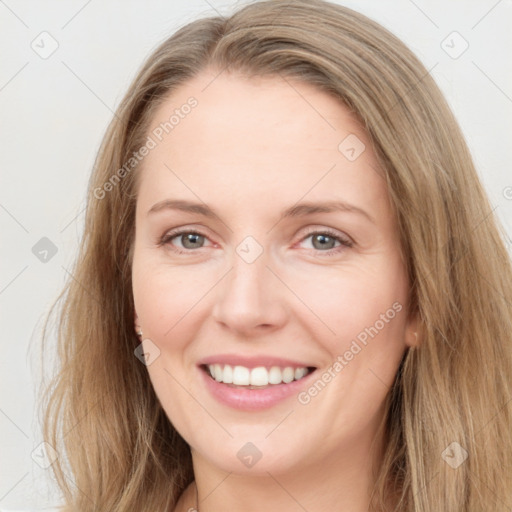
(325, 240)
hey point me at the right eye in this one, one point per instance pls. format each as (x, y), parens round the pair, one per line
(189, 240)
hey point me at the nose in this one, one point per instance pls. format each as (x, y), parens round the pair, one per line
(251, 300)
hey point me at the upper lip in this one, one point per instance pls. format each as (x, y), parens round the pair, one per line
(252, 361)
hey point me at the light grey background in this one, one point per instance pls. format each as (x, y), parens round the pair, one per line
(54, 111)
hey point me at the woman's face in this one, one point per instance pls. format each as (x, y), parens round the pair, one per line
(287, 258)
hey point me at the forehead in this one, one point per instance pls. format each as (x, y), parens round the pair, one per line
(259, 138)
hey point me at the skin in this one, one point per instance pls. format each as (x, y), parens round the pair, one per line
(250, 149)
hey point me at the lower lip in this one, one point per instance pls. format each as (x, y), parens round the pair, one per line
(253, 399)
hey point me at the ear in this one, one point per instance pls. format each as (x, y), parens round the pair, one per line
(136, 322)
(412, 332)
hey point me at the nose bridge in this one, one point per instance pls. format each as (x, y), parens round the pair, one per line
(250, 295)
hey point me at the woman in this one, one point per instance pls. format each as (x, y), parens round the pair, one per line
(340, 337)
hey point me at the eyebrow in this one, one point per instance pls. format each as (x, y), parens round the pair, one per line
(297, 210)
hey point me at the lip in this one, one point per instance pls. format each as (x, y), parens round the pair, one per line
(253, 399)
(252, 361)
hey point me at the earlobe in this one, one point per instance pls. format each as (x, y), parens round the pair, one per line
(137, 326)
(412, 339)
(412, 333)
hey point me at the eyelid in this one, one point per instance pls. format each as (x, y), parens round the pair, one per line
(173, 233)
(331, 232)
(345, 241)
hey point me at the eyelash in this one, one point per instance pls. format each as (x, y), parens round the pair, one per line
(345, 242)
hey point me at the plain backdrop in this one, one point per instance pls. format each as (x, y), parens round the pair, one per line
(64, 69)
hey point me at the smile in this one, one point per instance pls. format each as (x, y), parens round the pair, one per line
(251, 384)
(259, 377)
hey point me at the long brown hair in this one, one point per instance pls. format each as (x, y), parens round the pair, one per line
(118, 450)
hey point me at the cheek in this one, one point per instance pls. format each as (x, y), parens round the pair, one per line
(355, 302)
(336, 305)
(164, 296)
(366, 310)
(168, 300)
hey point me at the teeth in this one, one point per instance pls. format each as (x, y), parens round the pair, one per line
(300, 372)
(217, 372)
(227, 375)
(241, 376)
(259, 376)
(275, 376)
(288, 374)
